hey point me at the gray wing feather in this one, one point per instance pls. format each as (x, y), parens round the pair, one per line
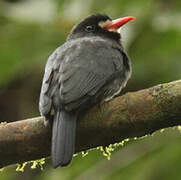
(45, 102)
(88, 74)
(81, 72)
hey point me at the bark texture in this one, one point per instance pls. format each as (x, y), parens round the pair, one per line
(132, 115)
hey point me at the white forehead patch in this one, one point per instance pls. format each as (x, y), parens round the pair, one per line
(103, 24)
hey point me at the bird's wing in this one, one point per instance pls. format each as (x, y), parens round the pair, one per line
(79, 73)
(45, 101)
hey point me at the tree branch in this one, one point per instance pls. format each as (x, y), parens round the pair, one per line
(131, 115)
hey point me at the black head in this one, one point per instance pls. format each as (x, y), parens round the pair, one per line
(94, 25)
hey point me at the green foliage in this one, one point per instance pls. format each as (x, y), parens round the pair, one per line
(24, 45)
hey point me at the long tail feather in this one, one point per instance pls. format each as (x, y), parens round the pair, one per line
(63, 138)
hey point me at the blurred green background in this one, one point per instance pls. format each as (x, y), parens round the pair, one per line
(31, 29)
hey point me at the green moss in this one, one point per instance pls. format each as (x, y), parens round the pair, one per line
(35, 164)
(38, 163)
(106, 151)
(76, 154)
(123, 142)
(84, 153)
(179, 128)
(3, 123)
(162, 130)
(20, 167)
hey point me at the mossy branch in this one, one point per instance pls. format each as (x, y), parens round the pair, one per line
(131, 115)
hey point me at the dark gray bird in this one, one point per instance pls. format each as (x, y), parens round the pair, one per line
(89, 68)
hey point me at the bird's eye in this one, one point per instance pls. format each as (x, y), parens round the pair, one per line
(90, 28)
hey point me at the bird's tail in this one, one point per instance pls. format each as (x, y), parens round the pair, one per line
(63, 138)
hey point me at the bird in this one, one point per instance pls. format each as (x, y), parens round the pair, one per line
(89, 68)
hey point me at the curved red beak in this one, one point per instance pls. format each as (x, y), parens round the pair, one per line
(117, 23)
